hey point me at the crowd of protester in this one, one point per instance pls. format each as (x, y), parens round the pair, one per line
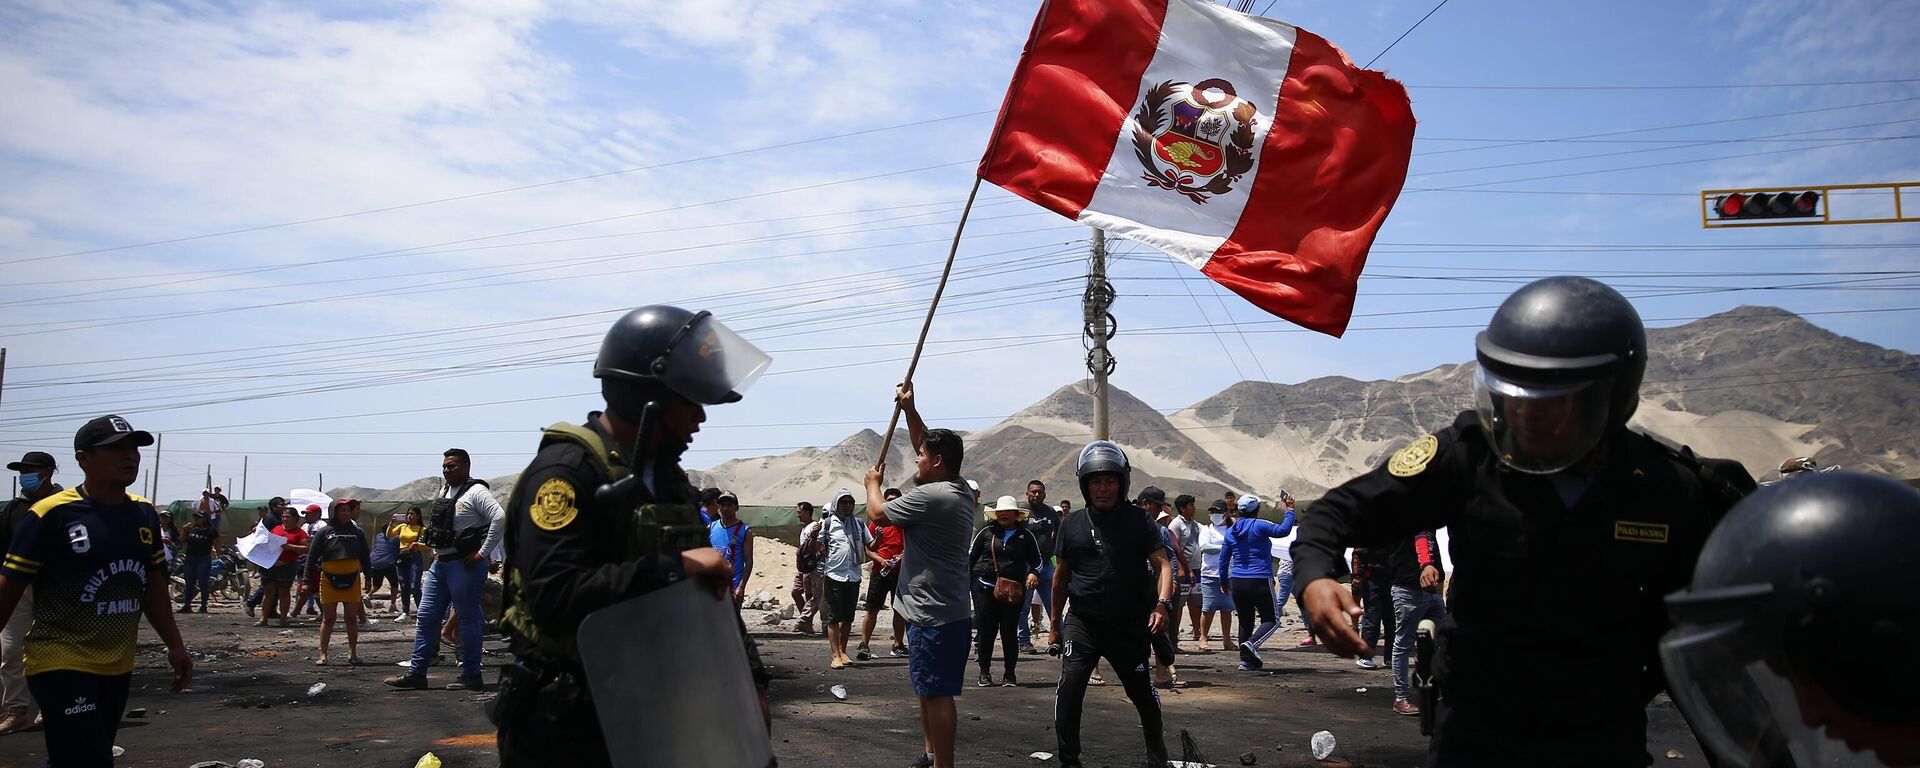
(332, 566)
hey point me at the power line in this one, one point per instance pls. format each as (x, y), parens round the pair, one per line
(1695, 124)
(1688, 145)
(451, 285)
(1164, 330)
(1282, 407)
(1672, 163)
(358, 375)
(1403, 35)
(201, 274)
(1663, 87)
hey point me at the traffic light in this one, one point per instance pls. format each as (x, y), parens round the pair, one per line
(1767, 205)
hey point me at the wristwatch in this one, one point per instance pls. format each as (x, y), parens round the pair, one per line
(1167, 603)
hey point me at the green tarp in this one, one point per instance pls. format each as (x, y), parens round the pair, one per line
(767, 522)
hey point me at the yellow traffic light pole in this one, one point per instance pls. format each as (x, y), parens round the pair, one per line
(1709, 198)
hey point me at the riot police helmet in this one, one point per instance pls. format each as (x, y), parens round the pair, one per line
(1790, 589)
(658, 349)
(1102, 457)
(1560, 367)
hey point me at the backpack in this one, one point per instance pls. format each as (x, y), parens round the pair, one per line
(808, 559)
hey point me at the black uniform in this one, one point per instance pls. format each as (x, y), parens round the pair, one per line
(1548, 653)
(570, 556)
(1110, 594)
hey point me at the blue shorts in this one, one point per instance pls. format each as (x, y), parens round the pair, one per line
(937, 658)
(1211, 598)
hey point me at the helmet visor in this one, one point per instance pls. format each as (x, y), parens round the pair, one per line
(1542, 428)
(1740, 707)
(710, 364)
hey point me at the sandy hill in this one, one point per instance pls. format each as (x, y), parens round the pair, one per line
(1755, 384)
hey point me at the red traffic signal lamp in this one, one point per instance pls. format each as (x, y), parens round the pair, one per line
(1767, 205)
(1813, 204)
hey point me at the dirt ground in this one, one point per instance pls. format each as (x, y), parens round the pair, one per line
(249, 699)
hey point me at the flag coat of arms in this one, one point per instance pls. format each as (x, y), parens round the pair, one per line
(1253, 150)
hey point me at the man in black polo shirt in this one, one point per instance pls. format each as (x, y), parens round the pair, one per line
(1043, 520)
(93, 556)
(1102, 553)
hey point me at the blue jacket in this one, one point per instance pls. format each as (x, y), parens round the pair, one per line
(1249, 549)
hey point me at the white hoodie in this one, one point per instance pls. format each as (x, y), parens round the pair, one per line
(846, 539)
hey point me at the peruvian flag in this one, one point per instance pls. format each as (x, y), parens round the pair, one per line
(1251, 149)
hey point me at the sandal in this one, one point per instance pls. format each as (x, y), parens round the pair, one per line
(320, 662)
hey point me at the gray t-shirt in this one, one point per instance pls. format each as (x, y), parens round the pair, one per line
(936, 523)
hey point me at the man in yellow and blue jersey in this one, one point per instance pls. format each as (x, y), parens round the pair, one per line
(92, 554)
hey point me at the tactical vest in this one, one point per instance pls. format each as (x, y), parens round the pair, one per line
(440, 532)
(650, 528)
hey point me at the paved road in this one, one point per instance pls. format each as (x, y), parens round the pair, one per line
(249, 699)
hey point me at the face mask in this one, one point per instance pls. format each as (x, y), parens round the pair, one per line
(30, 483)
(1219, 518)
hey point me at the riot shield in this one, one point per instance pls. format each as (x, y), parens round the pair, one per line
(670, 681)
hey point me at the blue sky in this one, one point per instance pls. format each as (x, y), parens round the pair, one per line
(131, 124)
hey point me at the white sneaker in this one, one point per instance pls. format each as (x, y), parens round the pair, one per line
(1367, 663)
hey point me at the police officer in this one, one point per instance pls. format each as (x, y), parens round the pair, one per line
(1802, 581)
(1566, 528)
(604, 513)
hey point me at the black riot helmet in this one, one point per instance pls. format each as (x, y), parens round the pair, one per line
(1560, 367)
(659, 349)
(1102, 456)
(1790, 589)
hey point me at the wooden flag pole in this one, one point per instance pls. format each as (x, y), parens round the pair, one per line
(886, 439)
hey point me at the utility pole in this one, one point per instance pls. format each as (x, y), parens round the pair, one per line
(243, 477)
(322, 487)
(159, 442)
(1100, 327)
(3, 369)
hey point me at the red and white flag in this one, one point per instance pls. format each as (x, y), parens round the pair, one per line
(1251, 149)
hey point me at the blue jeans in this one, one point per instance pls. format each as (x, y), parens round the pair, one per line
(456, 583)
(1410, 605)
(406, 574)
(199, 573)
(1046, 600)
(1285, 577)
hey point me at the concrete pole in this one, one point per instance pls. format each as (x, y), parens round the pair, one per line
(1099, 328)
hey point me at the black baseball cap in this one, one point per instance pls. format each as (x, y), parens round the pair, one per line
(34, 461)
(108, 430)
(1217, 506)
(1153, 494)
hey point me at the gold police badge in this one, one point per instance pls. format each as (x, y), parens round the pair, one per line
(1412, 460)
(553, 506)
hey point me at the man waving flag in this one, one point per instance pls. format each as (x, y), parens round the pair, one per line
(1251, 149)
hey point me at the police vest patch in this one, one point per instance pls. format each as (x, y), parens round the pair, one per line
(1413, 459)
(1650, 533)
(553, 505)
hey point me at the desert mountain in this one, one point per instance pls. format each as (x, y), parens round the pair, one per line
(1754, 384)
